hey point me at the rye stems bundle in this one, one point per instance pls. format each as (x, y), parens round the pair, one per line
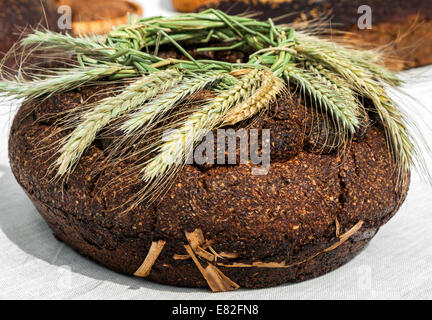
(133, 96)
(334, 79)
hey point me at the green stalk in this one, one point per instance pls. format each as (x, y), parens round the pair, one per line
(331, 101)
(177, 146)
(157, 108)
(109, 109)
(59, 82)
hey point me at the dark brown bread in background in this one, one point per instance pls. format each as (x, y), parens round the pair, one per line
(288, 216)
(84, 10)
(405, 27)
(19, 15)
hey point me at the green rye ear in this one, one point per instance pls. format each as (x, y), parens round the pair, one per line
(333, 78)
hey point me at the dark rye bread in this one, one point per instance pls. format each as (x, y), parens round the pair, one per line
(405, 27)
(309, 215)
(17, 16)
(288, 215)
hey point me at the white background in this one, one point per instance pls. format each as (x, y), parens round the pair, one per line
(397, 264)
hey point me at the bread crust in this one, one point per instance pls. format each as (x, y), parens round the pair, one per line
(291, 221)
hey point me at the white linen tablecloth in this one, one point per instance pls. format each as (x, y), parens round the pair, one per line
(33, 265)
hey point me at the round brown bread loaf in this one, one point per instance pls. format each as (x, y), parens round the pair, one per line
(17, 15)
(403, 27)
(311, 213)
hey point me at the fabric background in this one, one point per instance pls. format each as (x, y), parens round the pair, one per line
(33, 265)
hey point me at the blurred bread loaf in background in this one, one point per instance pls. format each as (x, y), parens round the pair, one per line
(403, 28)
(99, 16)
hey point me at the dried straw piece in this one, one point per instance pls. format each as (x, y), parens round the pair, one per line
(199, 244)
(216, 280)
(337, 227)
(181, 256)
(197, 241)
(155, 249)
(205, 255)
(221, 255)
(346, 236)
(195, 238)
(259, 264)
(228, 255)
